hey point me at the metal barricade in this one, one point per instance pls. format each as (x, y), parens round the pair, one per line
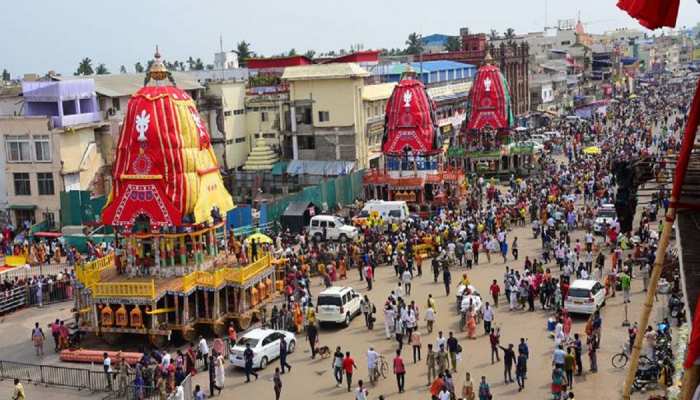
(13, 299)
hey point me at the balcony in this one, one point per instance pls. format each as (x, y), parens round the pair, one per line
(75, 119)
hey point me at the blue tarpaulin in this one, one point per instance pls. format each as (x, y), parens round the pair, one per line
(239, 216)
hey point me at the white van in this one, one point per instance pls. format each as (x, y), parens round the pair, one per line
(337, 304)
(584, 297)
(330, 227)
(390, 211)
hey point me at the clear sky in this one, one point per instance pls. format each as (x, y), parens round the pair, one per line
(40, 35)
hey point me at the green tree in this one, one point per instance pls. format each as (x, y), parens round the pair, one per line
(243, 51)
(310, 54)
(190, 63)
(198, 65)
(101, 69)
(509, 34)
(138, 67)
(85, 67)
(292, 52)
(6, 75)
(453, 43)
(210, 67)
(122, 70)
(414, 44)
(494, 35)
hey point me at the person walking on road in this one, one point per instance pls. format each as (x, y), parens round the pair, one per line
(361, 393)
(453, 347)
(248, 358)
(18, 391)
(488, 316)
(338, 366)
(521, 370)
(283, 355)
(38, 340)
(508, 361)
(399, 371)
(468, 388)
(277, 381)
(569, 364)
(312, 335)
(442, 359)
(495, 291)
(348, 367)
(369, 275)
(431, 362)
(107, 367)
(372, 361)
(415, 345)
(495, 339)
(484, 390)
(446, 279)
(203, 348)
(406, 278)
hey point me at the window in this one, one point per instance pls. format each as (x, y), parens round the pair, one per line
(49, 218)
(42, 147)
(323, 116)
(18, 149)
(115, 103)
(263, 116)
(566, 42)
(269, 135)
(240, 111)
(45, 180)
(306, 142)
(314, 223)
(22, 185)
(240, 140)
(227, 113)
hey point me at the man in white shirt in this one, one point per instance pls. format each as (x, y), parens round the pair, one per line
(372, 358)
(444, 394)
(406, 278)
(430, 318)
(441, 341)
(204, 351)
(488, 318)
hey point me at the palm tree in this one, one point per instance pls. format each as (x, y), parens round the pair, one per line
(494, 35)
(101, 69)
(6, 75)
(509, 34)
(85, 67)
(414, 44)
(190, 63)
(310, 54)
(122, 70)
(198, 64)
(453, 44)
(292, 52)
(243, 51)
(138, 67)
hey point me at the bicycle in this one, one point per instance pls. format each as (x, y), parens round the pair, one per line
(381, 369)
(619, 360)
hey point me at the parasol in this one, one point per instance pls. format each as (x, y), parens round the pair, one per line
(259, 237)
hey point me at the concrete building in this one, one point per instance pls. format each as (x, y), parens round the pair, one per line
(512, 58)
(223, 107)
(431, 73)
(225, 60)
(325, 118)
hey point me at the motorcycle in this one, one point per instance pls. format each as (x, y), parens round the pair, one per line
(647, 375)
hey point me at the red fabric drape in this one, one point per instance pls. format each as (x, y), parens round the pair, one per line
(652, 14)
(694, 342)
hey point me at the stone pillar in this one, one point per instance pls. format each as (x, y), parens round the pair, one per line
(176, 299)
(156, 256)
(217, 305)
(185, 309)
(206, 305)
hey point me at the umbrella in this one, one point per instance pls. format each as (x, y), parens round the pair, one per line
(259, 237)
(592, 150)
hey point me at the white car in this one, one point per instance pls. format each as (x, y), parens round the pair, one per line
(332, 227)
(585, 297)
(606, 215)
(265, 344)
(337, 304)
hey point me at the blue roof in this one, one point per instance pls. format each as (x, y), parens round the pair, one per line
(435, 38)
(441, 65)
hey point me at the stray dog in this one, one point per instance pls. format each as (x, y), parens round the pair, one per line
(323, 351)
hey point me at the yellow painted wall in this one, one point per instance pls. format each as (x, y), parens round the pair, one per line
(232, 94)
(337, 96)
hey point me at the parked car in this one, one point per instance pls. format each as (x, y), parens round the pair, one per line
(337, 304)
(265, 344)
(606, 215)
(584, 297)
(330, 227)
